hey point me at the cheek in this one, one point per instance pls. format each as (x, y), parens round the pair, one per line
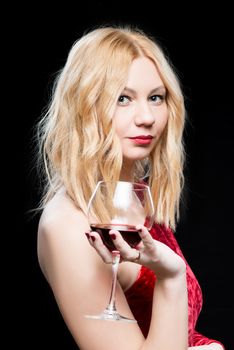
(162, 123)
(118, 127)
(120, 124)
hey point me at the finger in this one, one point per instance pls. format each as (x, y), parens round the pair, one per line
(127, 253)
(97, 243)
(146, 237)
(138, 257)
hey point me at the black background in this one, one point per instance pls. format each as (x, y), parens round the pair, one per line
(199, 43)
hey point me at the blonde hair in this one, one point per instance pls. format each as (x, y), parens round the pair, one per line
(77, 141)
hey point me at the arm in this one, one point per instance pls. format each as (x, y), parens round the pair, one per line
(169, 313)
(198, 340)
(80, 281)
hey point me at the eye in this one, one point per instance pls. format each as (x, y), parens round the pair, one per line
(123, 100)
(157, 99)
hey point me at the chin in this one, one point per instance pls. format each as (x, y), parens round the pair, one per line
(134, 157)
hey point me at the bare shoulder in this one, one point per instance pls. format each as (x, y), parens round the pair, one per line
(79, 279)
(61, 230)
(61, 210)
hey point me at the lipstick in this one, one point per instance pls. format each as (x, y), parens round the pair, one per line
(142, 139)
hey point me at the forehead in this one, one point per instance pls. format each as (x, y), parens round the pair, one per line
(143, 72)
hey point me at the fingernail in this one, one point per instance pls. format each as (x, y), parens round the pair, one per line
(93, 238)
(87, 235)
(113, 236)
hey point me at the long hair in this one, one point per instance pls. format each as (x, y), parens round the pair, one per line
(77, 141)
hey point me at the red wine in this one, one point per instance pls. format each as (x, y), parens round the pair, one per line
(128, 232)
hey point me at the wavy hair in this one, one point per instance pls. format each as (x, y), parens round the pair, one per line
(78, 144)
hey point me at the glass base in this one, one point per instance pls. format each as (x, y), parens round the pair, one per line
(111, 316)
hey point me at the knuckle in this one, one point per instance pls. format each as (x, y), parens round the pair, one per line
(106, 259)
(126, 256)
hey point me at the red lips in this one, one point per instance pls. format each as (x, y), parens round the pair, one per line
(142, 139)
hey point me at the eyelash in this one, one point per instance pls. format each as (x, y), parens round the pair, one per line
(161, 97)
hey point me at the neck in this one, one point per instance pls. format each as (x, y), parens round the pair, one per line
(127, 172)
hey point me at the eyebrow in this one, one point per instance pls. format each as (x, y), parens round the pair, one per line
(155, 90)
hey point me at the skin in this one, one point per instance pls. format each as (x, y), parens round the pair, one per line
(79, 270)
(141, 110)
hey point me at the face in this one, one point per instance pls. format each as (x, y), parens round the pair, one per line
(141, 113)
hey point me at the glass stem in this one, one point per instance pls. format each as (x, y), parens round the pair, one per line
(115, 264)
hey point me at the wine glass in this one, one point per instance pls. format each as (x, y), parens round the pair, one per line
(121, 206)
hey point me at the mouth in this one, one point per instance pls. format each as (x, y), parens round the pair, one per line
(142, 139)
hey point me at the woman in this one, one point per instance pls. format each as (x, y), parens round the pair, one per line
(116, 90)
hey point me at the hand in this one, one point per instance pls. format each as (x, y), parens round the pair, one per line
(153, 254)
(159, 257)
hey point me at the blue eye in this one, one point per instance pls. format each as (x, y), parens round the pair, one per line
(123, 99)
(158, 99)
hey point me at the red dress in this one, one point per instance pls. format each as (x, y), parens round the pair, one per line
(139, 295)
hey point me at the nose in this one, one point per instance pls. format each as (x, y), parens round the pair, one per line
(144, 115)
